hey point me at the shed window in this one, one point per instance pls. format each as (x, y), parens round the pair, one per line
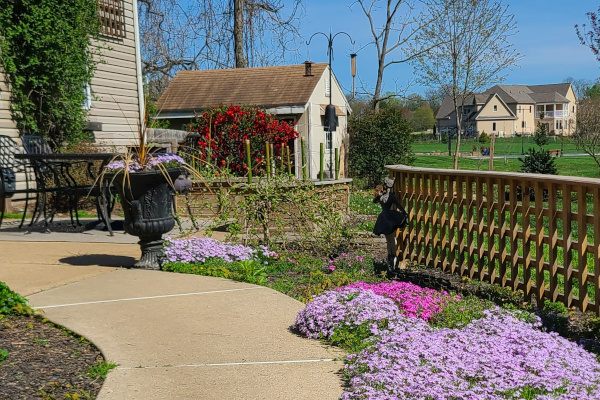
(112, 17)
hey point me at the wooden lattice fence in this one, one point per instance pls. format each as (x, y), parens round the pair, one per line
(535, 233)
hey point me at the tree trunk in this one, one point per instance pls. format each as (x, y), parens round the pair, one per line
(238, 33)
(458, 131)
(492, 142)
(377, 94)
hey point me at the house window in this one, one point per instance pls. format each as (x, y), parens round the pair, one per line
(559, 124)
(495, 109)
(523, 124)
(573, 108)
(494, 126)
(112, 17)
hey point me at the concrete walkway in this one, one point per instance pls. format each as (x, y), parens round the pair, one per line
(173, 336)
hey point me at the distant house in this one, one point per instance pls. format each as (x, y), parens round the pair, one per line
(295, 93)
(115, 99)
(506, 110)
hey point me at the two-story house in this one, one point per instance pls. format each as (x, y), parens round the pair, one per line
(506, 110)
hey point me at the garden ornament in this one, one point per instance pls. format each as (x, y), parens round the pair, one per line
(182, 184)
(392, 217)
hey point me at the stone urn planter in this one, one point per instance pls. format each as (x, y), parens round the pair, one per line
(147, 201)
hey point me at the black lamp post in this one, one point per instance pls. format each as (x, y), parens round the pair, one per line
(330, 120)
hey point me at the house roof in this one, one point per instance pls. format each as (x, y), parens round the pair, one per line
(447, 106)
(532, 94)
(265, 87)
(510, 116)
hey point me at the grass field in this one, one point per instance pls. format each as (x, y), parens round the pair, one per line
(502, 146)
(573, 166)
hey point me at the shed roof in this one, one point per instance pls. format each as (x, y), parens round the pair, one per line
(265, 87)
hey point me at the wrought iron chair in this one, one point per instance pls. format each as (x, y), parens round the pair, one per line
(51, 177)
(17, 179)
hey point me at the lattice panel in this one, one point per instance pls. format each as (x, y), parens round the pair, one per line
(112, 17)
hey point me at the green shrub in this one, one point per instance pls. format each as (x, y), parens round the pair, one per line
(12, 303)
(378, 139)
(538, 162)
(48, 58)
(483, 138)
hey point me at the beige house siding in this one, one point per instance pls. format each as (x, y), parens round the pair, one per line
(115, 97)
(317, 136)
(524, 113)
(7, 126)
(495, 117)
(115, 100)
(503, 127)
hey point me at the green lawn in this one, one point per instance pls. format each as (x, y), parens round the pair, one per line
(573, 166)
(503, 146)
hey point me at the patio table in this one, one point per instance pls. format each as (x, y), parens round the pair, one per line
(61, 164)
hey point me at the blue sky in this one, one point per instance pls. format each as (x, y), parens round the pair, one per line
(546, 39)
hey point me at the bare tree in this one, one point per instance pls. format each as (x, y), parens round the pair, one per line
(204, 34)
(587, 135)
(589, 35)
(394, 24)
(465, 51)
(580, 86)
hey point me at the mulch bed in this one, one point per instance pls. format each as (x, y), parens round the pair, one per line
(45, 361)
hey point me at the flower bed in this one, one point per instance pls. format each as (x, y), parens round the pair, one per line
(502, 355)
(413, 300)
(199, 250)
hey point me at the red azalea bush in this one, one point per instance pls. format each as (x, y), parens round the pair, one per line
(224, 129)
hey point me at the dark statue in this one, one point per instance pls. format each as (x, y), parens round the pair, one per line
(392, 217)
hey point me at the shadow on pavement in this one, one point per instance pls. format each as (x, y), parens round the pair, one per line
(102, 260)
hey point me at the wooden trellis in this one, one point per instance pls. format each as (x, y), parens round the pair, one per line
(535, 233)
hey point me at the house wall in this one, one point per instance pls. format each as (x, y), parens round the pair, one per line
(524, 112)
(447, 123)
(504, 126)
(115, 101)
(7, 126)
(317, 132)
(568, 123)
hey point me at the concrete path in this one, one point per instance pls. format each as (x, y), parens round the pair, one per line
(173, 336)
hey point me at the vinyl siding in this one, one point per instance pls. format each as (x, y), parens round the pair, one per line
(114, 88)
(7, 126)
